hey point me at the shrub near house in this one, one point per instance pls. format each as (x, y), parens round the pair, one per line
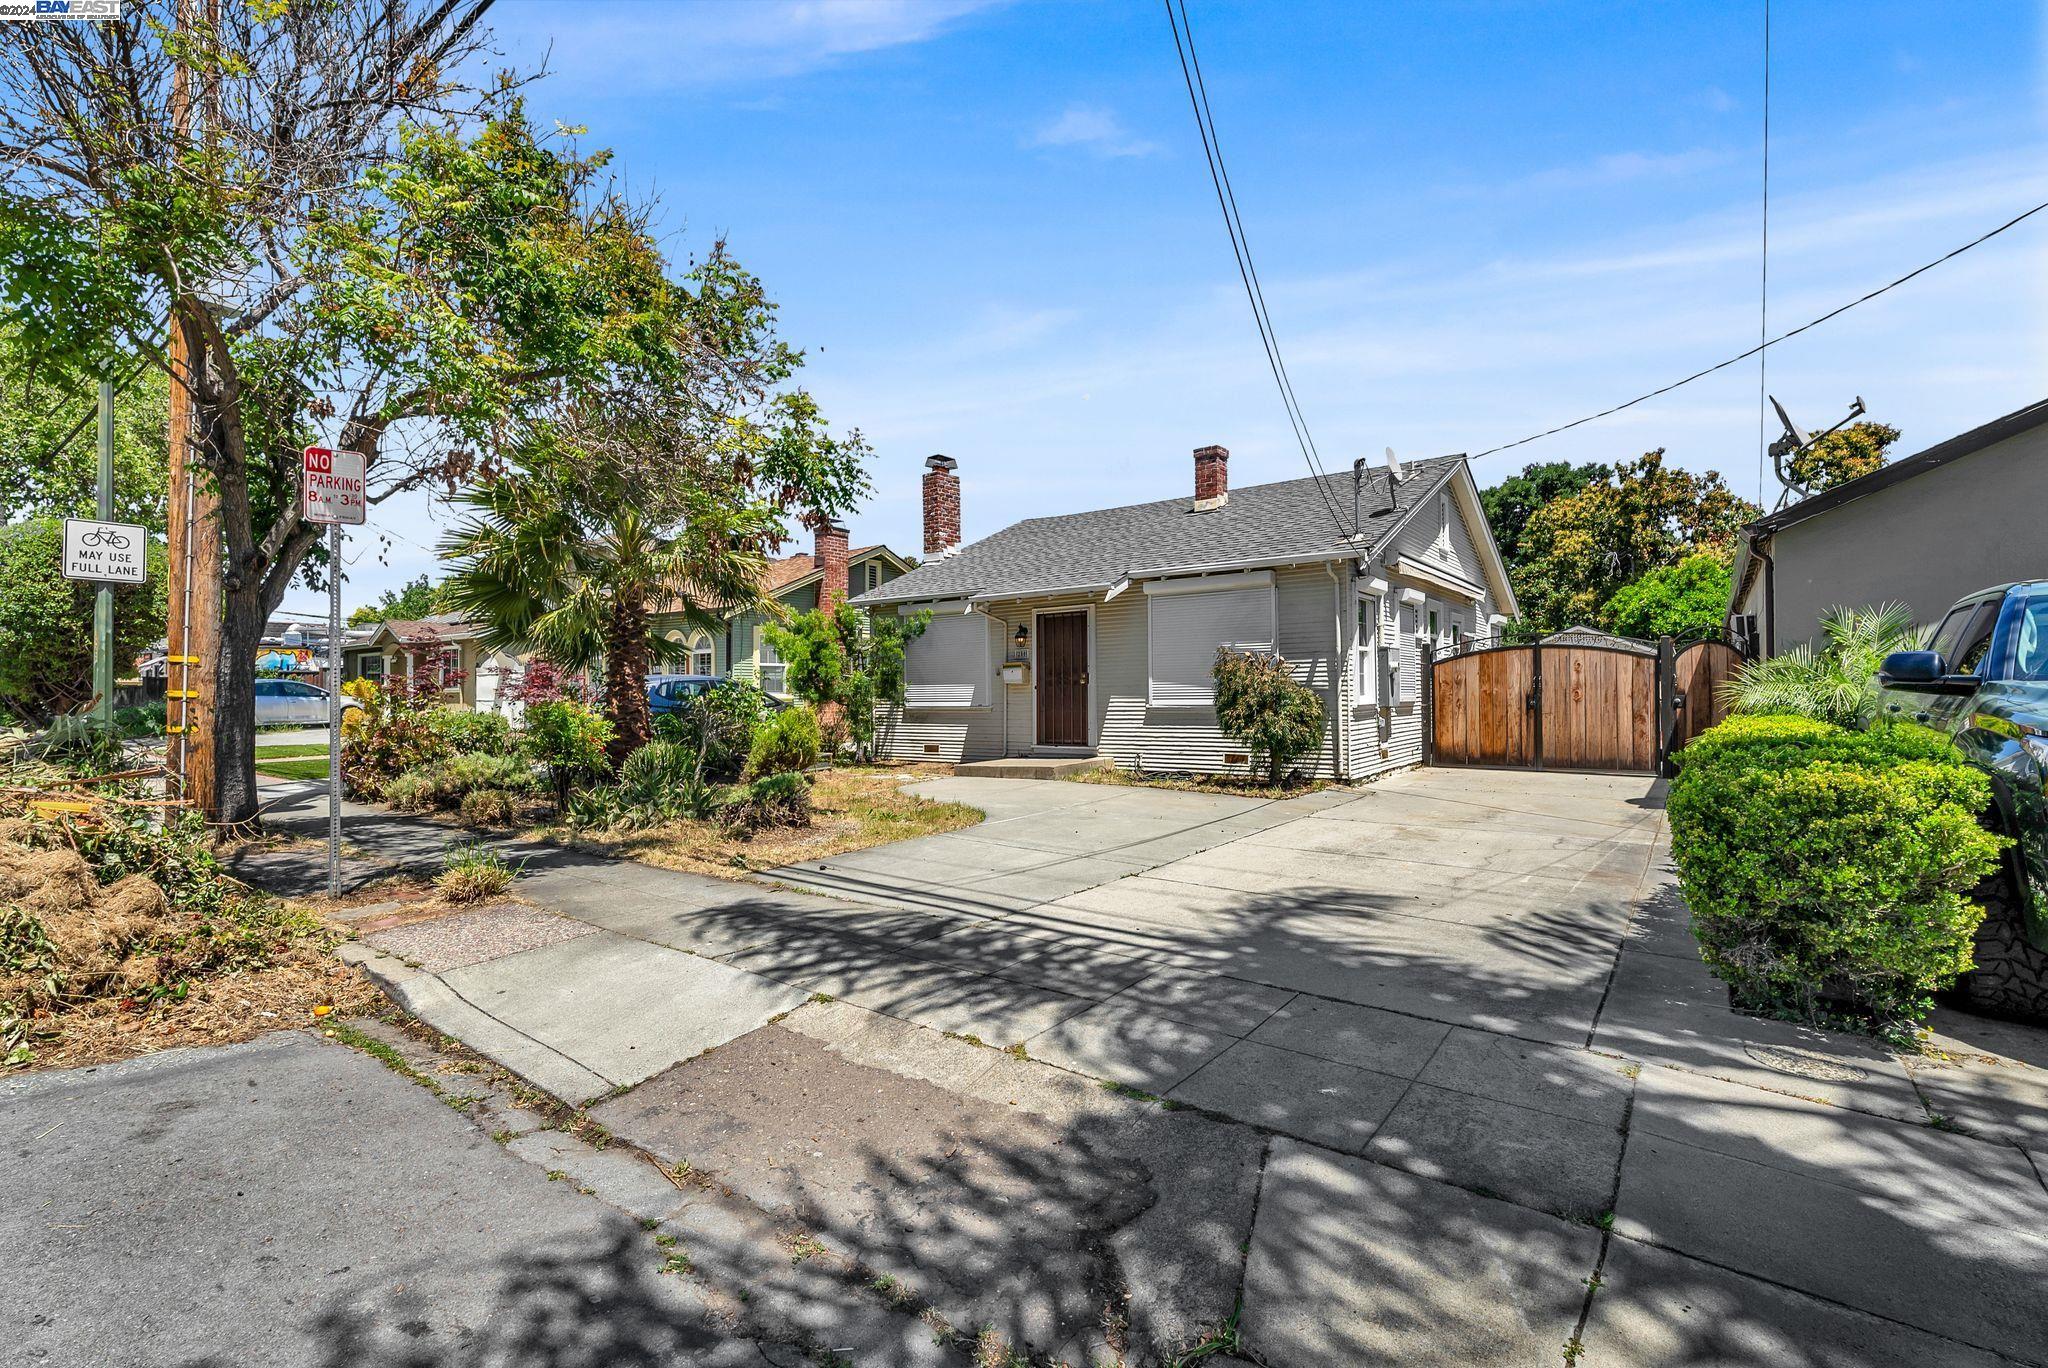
(1261, 704)
(1829, 870)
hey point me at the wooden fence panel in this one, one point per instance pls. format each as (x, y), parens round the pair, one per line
(1480, 707)
(1699, 672)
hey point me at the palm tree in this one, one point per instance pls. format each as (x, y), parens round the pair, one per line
(1837, 683)
(550, 560)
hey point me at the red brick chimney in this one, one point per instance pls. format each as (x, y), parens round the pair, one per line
(829, 555)
(1212, 478)
(941, 505)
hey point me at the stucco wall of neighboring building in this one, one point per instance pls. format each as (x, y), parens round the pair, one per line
(1925, 542)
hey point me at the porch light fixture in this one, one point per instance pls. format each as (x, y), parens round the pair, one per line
(1023, 637)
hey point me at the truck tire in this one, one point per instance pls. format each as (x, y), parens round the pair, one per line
(2011, 977)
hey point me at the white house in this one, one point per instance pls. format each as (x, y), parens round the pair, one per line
(1094, 634)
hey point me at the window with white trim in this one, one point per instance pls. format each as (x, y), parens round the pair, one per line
(773, 674)
(1186, 628)
(949, 664)
(1366, 650)
(873, 571)
(1408, 667)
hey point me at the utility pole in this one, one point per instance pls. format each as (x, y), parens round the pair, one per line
(193, 545)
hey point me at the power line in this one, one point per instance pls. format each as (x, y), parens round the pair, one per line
(2012, 222)
(1763, 319)
(1226, 200)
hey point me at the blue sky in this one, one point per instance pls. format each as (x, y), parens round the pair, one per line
(992, 228)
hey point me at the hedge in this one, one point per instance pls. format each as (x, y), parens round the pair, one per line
(1829, 870)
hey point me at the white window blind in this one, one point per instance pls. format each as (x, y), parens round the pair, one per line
(947, 665)
(774, 674)
(1409, 645)
(1186, 631)
(1367, 652)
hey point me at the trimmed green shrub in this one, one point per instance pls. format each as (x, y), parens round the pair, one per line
(465, 730)
(774, 800)
(391, 735)
(1260, 704)
(410, 792)
(787, 743)
(569, 738)
(1775, 740)
(446, 782)
(1828, 870)
(720, 724)
(490, 807)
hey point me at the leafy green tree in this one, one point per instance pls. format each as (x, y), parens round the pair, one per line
(1261, 704)
(1843, 454)
(1672, 600)
(661, 495)
(418, 598)
(49, 448)
(1581, 550)
(1510, 504)
(844, 664)
(352, 243)
(46, 621)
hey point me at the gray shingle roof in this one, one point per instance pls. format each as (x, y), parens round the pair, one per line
(1260, 523)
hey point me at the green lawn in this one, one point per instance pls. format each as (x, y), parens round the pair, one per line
(310, 768)
(284, 752)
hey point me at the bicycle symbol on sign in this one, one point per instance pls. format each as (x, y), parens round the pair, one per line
(104, 536)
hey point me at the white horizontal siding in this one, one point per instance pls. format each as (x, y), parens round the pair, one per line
(1131, 732)
(1136, 735)
(951, 735)
(1382, 739)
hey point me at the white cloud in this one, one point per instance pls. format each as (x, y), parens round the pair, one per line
(1094, 129)
(1430, 359)
(626, 47)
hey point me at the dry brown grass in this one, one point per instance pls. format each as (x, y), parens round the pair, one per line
(852, 809)
(1235, 785)
(224, 1011)
(93, 972)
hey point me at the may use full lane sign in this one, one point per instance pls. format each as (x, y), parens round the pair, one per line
(109, 552)
(334, 489)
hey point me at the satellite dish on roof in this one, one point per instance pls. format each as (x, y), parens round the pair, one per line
(1797, 433)
(1393, 466)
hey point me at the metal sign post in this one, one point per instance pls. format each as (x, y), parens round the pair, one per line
(103, 601)
(104, 553)
(333, 490)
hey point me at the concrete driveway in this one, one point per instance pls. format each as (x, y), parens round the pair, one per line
(1455, 1085)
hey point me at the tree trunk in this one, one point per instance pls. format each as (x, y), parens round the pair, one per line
(234, 716)
(625, 677)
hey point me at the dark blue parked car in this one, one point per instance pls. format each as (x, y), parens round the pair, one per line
(671, 693)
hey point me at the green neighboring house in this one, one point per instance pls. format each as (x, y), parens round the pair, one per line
(740, 649)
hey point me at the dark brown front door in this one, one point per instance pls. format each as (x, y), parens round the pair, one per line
(1063, 679)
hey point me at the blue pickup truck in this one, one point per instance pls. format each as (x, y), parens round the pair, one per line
(1984, 681)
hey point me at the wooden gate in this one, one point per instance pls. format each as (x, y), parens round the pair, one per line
(1697, 675)
(1572, 706)
(1483, 707)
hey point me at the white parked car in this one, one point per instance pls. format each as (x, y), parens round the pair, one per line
(289, 702)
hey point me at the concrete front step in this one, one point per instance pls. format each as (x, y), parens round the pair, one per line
(1030, 767)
